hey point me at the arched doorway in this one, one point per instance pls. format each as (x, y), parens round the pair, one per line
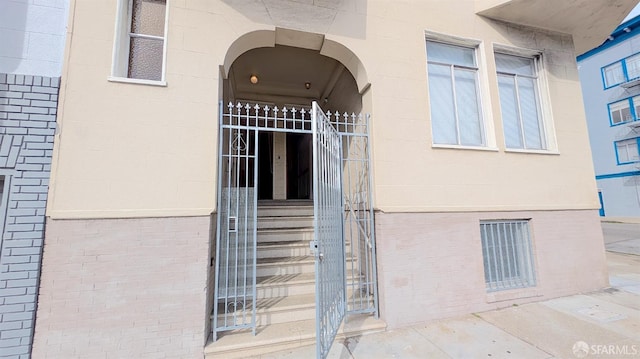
(295, 234)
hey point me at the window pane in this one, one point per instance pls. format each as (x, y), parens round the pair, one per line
(636, 105)
(529, 113)
(468, 109)
(514, 64)
(1, 190)
(145, 59)
(627, 150)
(633, 66)
(443, 121)
(509, 107)
(613, 74)
(620, 111)
(450, 54)
(148, 17)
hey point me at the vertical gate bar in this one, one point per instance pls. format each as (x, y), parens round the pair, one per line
(228, 205)
(246, 215)
(254, 230)
(214, 320)
(316, 211)
(371, 217)
(507, 239)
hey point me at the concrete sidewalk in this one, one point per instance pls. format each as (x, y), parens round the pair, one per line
(604, 324)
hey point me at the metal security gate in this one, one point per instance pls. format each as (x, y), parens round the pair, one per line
(329, 239)
(343, 208)
(235, 260)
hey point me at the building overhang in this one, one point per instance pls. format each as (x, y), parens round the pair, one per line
(589, 21)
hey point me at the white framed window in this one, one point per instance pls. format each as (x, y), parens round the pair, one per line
(454, 95)
(620, 111)
(140, 45)
(627, 151)
(507, 255)
(520, 105)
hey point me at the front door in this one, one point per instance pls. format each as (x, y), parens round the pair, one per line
(299, 159)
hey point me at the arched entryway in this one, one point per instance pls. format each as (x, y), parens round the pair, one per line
(295, 238)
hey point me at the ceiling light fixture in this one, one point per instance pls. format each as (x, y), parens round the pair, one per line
(307, 85)
(253, 79)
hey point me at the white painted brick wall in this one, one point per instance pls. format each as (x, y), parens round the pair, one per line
(27, 125)
(124, 288)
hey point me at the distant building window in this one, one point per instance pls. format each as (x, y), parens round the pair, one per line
(624, 110)
(627, 151)
(456, 114)
(520, 102)
(140, 41)
(621, 111)
(507, 254)
(621, 71)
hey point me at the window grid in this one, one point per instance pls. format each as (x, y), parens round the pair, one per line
(627, 151)
(621, 71)
(453, 70)
(539, 140)
(507, 255)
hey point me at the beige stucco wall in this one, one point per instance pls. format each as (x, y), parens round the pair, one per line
(129, 150)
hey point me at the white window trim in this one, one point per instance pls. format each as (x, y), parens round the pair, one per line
(488, 129)
(120, 57)
(544, 97)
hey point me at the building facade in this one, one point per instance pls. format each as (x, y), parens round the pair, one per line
(31, 48)
(179, 159)
(611, 99)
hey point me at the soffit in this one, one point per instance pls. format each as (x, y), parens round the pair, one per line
(589, 21)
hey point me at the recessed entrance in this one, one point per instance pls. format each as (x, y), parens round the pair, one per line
(294, 239)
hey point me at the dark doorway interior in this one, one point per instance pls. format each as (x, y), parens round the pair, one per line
(299, 157)
(265, 165)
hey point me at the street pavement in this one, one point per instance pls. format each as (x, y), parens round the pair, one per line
(603, 324)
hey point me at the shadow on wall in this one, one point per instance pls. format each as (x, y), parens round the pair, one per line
(558, 49)
(13, 21)
(337, 17)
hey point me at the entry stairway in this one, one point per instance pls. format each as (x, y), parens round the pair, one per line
(285, 285)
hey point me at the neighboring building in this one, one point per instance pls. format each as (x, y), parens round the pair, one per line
(610, 77)
(32, 39)
(474, 164)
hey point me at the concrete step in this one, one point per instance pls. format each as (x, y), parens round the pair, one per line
(285, 210)
(294, 284)
(286, 284)
(285, 222)
(283, 249)
(277, 337)
(284, 265)
(285, 309)
(288, 234)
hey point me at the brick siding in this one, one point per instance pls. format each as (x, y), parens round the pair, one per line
(27, 124)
